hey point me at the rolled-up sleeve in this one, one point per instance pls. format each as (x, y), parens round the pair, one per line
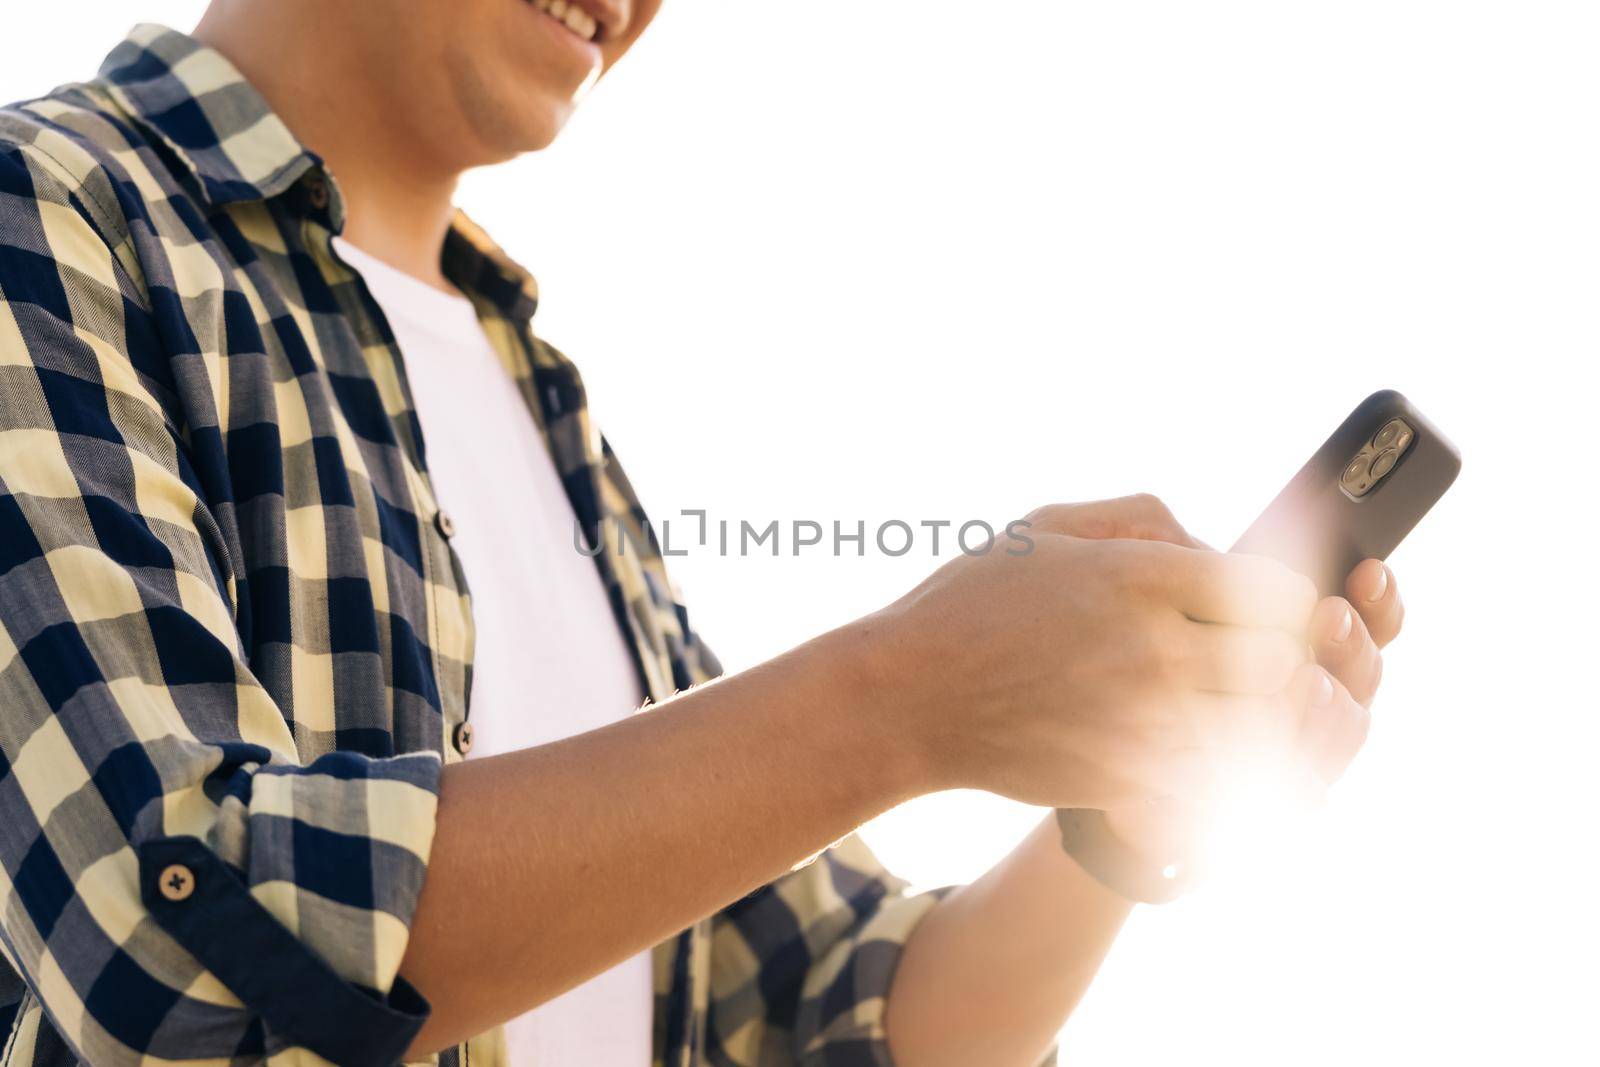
(175, 884)
(801, 968)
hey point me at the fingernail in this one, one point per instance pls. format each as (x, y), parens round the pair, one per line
(1383, 586)
(1347, 623)
(1321, 691)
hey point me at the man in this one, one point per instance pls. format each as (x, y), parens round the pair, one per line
(247, 348)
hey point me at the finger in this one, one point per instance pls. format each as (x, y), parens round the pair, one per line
(1372, 589)
(1341, 643)
(1334, 725)
(1142, 517)
(1252, 660)
(1244, 590)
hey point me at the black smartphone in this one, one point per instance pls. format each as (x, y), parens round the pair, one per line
(1359, 495)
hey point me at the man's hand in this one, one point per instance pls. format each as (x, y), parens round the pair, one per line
(1334, 693)
(991, 973)
(1094, 670)
(1112, 665)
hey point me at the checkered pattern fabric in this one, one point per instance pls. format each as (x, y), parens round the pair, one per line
(235, 643)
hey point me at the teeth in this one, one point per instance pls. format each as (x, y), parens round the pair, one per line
(571, 16)
(580, 23)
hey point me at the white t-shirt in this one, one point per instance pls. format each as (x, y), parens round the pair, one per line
(550, 660)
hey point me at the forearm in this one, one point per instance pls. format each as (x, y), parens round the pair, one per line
(991, 974)
(552, 864)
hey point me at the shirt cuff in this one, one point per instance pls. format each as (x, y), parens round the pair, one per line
(207, 909)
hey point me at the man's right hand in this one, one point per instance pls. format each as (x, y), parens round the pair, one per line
(1106, 666)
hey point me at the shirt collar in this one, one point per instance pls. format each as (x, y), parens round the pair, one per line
(479, 267)
(198, 104)
(224, 133)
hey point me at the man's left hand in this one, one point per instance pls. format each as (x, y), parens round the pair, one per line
(1348, 635)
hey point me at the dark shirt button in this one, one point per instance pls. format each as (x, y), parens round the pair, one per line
(463, 738)
(445, 525)
(177, 882)
(317, 193)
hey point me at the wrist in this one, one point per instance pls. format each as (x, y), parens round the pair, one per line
(873, 678)
(1098, 846)
(1157, 831)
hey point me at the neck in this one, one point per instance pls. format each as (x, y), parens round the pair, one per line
(398, 197)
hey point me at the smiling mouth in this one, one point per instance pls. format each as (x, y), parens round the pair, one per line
(571, 16)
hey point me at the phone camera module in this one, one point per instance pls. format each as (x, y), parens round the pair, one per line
(1377, 459)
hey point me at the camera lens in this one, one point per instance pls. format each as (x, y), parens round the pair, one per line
(1384, 463)
(1389, 435)
(1356, 471)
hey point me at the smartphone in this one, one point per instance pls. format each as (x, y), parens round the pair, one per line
(1359, 495)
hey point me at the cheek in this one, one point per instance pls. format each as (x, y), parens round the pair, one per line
(643, 12)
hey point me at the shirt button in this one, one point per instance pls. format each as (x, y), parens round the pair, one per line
(444, 523)
(463, 738)
(317, 193)
(177, 882)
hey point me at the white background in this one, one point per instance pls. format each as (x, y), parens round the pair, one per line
(919, 259)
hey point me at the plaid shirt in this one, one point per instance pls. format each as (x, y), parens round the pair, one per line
(235, 643)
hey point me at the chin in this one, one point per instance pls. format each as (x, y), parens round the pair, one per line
(533, 128)
(507, 133)
(502, 113)
(543, 122)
